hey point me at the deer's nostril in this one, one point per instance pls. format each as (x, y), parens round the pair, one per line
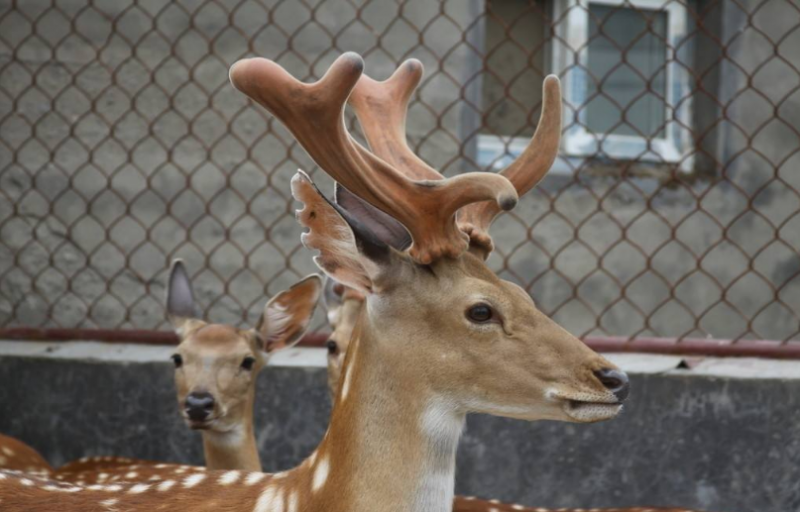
(615, 381)
(199, 405)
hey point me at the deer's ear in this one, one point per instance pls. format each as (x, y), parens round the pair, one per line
(348, 251)
(385, 227)
(180, 299)
(287, 315)
(333, 296)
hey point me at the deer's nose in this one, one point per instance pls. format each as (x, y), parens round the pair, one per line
(199, 405)
(615, 381)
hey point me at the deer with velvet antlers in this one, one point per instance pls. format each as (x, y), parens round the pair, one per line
(439, 336)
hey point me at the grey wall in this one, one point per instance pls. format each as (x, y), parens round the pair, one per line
(718, 444)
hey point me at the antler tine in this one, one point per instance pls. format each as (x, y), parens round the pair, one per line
(526, 171)
(381, 109)
(314, 113)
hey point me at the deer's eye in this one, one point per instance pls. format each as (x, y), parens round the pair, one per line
(333, 347)
(480, 313)
(248, 363)
(178, 360)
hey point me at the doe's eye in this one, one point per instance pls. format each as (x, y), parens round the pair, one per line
(333, 347)
(178, 360)
(480, 313)
(248, 363)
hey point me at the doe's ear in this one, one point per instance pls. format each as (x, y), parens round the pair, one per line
(287, 315)
(348, 251)
(333, 294)
(180, 299)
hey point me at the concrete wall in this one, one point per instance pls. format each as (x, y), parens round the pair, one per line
(723, 437)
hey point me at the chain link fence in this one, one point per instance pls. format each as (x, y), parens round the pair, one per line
(670, 215)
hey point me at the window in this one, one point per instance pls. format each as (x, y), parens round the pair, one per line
(623, 65)
(625, 80)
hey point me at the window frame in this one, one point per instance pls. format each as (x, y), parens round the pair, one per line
(577, 143)
(573, 31)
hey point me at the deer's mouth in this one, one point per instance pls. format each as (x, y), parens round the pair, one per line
(591, 411)
(586, 407)
(199, 424)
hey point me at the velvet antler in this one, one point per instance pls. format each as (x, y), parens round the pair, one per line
(381, 108)
(314, 113)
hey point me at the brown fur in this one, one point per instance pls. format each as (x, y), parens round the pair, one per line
(16, 455)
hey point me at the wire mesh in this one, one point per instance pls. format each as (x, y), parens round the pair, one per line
(672, 211)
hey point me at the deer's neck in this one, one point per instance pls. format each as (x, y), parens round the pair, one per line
(235, 448)
(391, 445)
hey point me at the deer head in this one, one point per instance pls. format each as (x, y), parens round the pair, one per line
(216, 365)
(475, 340)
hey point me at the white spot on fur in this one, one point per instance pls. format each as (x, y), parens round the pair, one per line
(266, 500)
(8, 451)
(254, 478)
(193, 480)
(26, 482)
(348, 374)
(293, 501)
(229, 478)
(138, 488)
(166, 485)
(61, 489)
(320, 474)
(131, 474)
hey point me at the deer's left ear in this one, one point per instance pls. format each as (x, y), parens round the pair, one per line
(180, 299)
(287, 315)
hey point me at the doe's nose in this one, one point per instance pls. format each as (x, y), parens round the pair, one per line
(615, 381)
(199, 405)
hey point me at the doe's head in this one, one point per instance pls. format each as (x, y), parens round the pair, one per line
(216, 365)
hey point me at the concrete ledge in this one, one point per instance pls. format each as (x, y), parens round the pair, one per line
(641, 364)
